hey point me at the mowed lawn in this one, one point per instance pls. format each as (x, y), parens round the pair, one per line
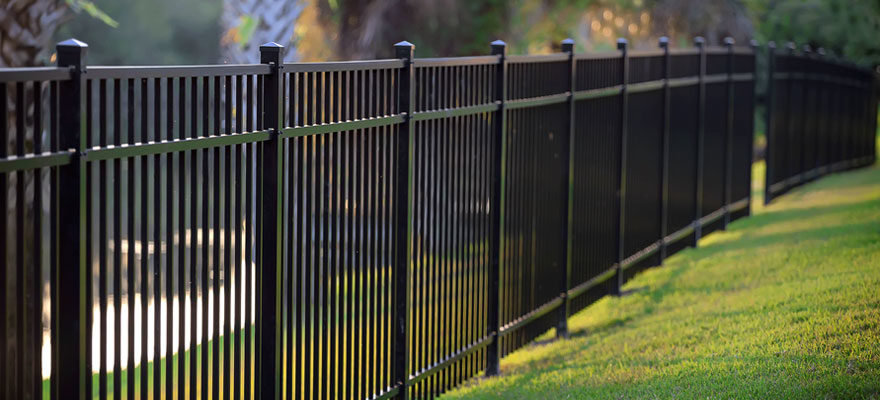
(784, 304)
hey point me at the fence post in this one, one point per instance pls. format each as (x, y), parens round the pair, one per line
(70, 331)
(269, 266)
(621, 166)
(728, 142)
(562, 321)
(496, 209)
(663, 43)
(770, 132)
(699, 42)
(403, 223)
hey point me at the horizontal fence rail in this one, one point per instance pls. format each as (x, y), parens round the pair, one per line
(370, 229)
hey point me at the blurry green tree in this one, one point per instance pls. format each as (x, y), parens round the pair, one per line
(715, 20)
(364, 28)
(150, 32)
(846, 28)
(359, 29)
(201, 31)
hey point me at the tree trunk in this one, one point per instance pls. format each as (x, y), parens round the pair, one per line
(275, 21)
(26, 29)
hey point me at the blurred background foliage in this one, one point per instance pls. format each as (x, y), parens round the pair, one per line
(149, 32)
(846, 28)
(208, 31)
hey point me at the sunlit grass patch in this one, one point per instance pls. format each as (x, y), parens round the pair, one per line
(784, 304)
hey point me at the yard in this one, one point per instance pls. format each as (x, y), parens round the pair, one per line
(784, 304)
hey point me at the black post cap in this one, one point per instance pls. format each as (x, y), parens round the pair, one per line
(498, 47)
(271, 53)
(271, 47)
(404, 49)
(568, 45)
(71, 52)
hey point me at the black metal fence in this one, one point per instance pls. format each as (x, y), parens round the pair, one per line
(821, 117)
(374, 229)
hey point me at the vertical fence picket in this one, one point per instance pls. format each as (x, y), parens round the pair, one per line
(37, 252)
(5, 387)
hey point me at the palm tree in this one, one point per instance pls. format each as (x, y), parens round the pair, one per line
(249, 23)
(26, 28)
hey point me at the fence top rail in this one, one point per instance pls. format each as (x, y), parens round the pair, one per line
(646, 53)
(717, 50)
(684, 51)
(737, 50)
(390, 63)
(456, 61)
(176, 71)
(602, 55)
(34, 74)
(861, 69)
(527, 59)
(813, 57)
(743, 50)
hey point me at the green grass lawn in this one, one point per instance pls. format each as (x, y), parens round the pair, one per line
(784, 304)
